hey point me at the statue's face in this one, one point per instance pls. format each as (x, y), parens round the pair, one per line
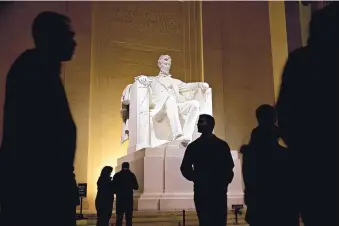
(165, 64)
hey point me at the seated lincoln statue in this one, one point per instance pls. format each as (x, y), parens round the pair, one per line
(171, 101)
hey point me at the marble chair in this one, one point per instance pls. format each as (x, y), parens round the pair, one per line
(138, 124)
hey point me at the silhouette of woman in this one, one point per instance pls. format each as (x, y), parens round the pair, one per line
(105, 197)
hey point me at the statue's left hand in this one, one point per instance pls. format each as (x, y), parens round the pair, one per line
(204, 85)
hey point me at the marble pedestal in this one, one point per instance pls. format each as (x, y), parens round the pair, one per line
(161, 185)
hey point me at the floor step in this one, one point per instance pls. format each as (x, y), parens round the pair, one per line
(161, 218)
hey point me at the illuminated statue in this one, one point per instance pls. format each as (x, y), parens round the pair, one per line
(173, 105)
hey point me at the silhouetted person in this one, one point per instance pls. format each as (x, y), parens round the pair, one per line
(249, 166)
(208, 163)
(267, 181)
(257, 167)
(124, 183)
(308, 118)
(105, 197)
(39, 137)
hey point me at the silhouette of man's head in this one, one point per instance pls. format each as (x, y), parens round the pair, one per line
(106, 171)
(53, 36)
(266, 115)
(125, 165)
(206, 124)
(324, 28)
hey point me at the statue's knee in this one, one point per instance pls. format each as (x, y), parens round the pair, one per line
(195, 104)
(171, 100)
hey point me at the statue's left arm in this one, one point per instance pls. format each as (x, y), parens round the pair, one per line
(191, 86)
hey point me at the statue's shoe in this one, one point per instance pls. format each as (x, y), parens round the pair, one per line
(179, 137)
(185, 142)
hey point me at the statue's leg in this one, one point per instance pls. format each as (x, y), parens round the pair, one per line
(172, 112)
(190, 110)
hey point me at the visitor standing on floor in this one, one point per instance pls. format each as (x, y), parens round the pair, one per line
(208, 163)
(124, 183)
(307, 110)
(39, 133)
(105, 197)
(267, 175)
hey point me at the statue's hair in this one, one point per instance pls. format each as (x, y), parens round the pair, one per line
(162, 57)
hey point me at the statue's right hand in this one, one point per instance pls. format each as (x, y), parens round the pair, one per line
(143, 79)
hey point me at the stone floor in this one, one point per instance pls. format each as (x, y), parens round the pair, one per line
(162, 218)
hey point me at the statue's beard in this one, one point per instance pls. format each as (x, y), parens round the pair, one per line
(164, 72)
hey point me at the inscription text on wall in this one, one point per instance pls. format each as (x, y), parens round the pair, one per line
(148, 20)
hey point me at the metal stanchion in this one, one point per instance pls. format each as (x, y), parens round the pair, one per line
(237, 211)
(183, 218)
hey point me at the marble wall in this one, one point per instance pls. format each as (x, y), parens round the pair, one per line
(238, 64)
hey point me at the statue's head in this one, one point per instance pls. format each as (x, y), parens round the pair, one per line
(164, 64)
